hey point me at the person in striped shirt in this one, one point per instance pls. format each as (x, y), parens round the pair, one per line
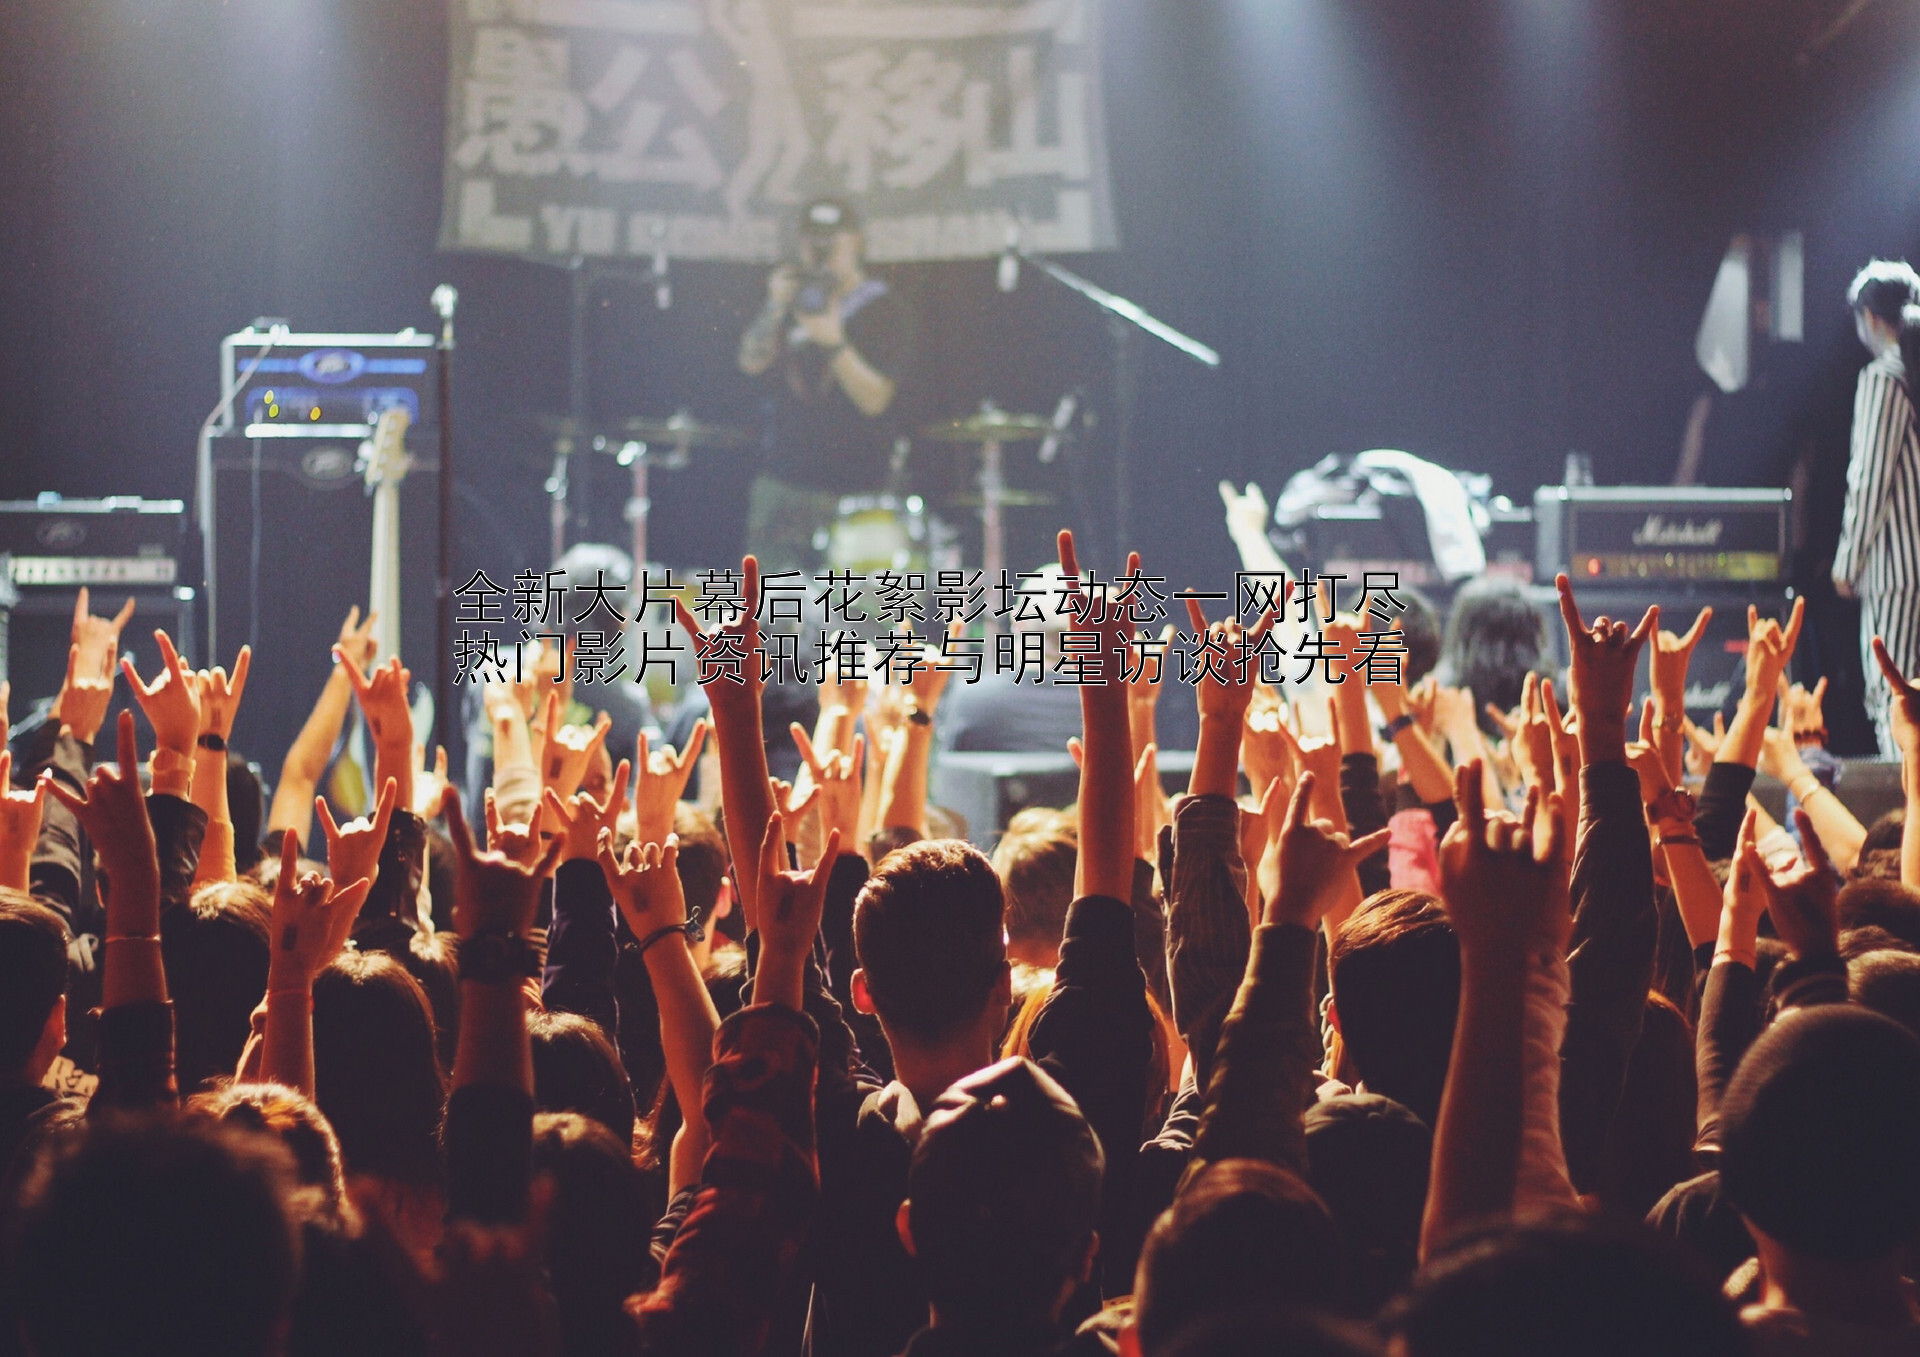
(1878, 559)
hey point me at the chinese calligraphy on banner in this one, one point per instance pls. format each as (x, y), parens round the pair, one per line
(695, 128)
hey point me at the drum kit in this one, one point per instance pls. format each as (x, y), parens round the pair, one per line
(869, 533)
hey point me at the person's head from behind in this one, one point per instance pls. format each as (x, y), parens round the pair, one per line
(1420, 627)
(1395, 970)
(216, 955)
(1002, 1196)
(1495, 638)
(157, 1235)
(928, 933)
(1879, 296)
(246, 808)
(1886, 831)
(33, 988)
(376, 1073)
(595, 1222)
(1036, 858)
(702, 864)
(1883, 903)
(1262, 1330)
(1241, 1229)
(1367, 1159)
(1817, 1141)
(576, 1069)
(293, 1119)
(1887, 981)
(1580, 1285)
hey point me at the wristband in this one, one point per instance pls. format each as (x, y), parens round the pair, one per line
(133, 937)
(164, 761)
(1748, 959)
(1404, 721)
(1671, 840)
(917, 717)
(690, 930)
(209, 740)
(496, 957)
(1672, 725)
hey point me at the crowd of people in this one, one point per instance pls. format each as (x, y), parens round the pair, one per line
(1478, 1012)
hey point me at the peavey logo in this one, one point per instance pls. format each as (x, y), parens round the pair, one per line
(1657, 532)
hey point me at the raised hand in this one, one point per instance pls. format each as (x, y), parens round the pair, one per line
(220, 696)
(582, 818)
(114, 814)
(1246, 513)
(1802, 713)
(1604, 657)
(353, 849)
(565, 752)
(1769, 648)
(739, 638)
(789, 907)
(1503, 881)
(383, 701)
(1266, 751)
(307, 909)
(1671, 655)
(429, 784)
(645, 883)
(19, 824)
(1321, 758)
(1904, 710)
(1803, 897)
(660, 780)
(97, 638)
(517, 842)
(1226, 697)
(171, 701)
(82, 703)
(493, 892)
(355, 644)
(1643, 755)
(837, 777)
(1308, 864)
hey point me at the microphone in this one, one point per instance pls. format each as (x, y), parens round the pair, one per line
(1008, 276)
(1063, 414)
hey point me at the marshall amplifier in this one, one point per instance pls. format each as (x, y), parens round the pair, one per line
(1626, 535)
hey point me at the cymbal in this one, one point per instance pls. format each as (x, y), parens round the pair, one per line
(1010, 499)
(681, 429)
(990, 426)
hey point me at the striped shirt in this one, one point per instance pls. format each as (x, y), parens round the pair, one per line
(1879, 551)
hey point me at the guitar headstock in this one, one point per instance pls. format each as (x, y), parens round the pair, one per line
(386, 452)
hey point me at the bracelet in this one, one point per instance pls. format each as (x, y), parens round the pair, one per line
(133, 937)
(1671, 840)
(1818, 786)
(918, 717)
(1748, 959)
(171, 761)
(209, 740)
(1404, 721)
(690, 930)
(1672, 725)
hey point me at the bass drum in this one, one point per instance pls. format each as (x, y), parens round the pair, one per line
(871, 533)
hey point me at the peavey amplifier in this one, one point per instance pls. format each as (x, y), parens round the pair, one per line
(1630, 534)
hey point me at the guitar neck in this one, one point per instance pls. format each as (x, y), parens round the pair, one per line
(385, 573)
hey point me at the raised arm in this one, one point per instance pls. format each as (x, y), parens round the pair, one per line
(383, 701)
(305, 938)
(583, 948)
(219, 703)
(1504, 886)
(1669, 659)
(1904, 712)
(745, 798)
(1105, 865)
(306, 760)
(903, 794)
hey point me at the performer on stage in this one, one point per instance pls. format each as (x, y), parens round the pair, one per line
(836, 347)
(1878, 559)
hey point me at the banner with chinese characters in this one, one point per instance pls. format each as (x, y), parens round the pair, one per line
(696, 128)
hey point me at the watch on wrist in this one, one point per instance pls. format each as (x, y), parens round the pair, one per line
(1674, 804)
(1404, 721)
(213, 741)
(917, 717)
(497, 957)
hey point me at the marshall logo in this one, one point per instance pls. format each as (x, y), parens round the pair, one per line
(1658, 532)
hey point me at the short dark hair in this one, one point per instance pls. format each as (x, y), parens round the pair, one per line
(1495, 638)
(1003, 1192)
(928, 931)
(33, 974)
(702, 863)
(1368, 1159)
(1875, 864)
(597, 1238)
(1241, 1228)
(1578, 1284)
(246, 810)
(216, 952)
(1884, 288)
(1420, 628)
(126, 1227)
(1036, 863)
(1886, 831)
(1817, 1130)
(297, 1122)
(1881, 902)
(1395, 972)
(1261, 1328)
(376, 1073)
(1888, 982)
(576, 1069)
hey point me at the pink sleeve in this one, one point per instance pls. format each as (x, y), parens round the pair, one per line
(1413, 858)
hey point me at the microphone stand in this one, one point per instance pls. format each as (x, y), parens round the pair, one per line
(1125, 320)
(447, 725)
